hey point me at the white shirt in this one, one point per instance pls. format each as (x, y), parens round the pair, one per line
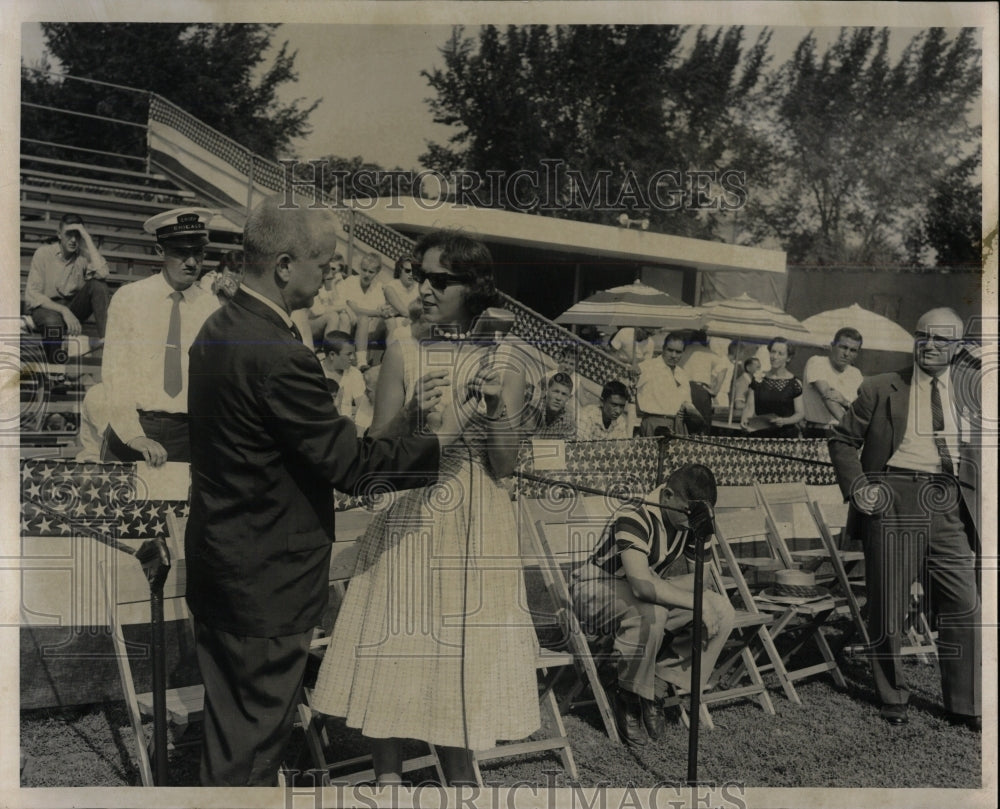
(662, 391)
(350, 290)
(134, 346)
(351, 392)
(624, 341)
(846, 383)
(917, 450)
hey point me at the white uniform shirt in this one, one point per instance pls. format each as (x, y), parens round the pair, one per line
(134, 347)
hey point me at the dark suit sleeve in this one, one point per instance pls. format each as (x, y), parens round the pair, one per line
(848, 437)
(299, 412)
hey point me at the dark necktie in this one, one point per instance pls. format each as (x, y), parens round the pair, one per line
(937, 424)
(172, 381)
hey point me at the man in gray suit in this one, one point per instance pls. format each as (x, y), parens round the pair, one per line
(914, 504)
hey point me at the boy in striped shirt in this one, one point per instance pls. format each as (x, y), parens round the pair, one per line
(636, 587)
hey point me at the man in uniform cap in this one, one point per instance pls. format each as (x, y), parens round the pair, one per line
(151, 325)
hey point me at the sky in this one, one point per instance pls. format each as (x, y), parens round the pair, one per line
(374, 98)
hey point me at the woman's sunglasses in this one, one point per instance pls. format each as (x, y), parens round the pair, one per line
(438, 280)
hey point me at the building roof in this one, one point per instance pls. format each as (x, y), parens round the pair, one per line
(542, 232)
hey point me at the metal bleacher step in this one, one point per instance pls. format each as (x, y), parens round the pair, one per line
(176, 196)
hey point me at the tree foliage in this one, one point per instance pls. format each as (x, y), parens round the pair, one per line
(864, 144)
(215, 72)
(613, 99)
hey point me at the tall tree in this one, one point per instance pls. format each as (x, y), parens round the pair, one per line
(865, 143)
(211, 71)
(614, 101)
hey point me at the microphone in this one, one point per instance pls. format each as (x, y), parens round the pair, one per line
(492, 325)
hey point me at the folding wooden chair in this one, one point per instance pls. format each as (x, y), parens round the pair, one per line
(736, 529)
(802, 539)
(126, 592)
(569, 540)
(922, 640)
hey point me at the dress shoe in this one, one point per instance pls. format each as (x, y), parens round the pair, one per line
(973, 723)
(628, 717)
(894, 714)
(652, 718)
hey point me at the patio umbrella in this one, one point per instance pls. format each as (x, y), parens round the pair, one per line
(633, 305)
(879, 333)
(750, 321)
(745, 318)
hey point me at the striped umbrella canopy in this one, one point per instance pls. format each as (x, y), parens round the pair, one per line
(633, 305)
(747, 319)
(878, 332)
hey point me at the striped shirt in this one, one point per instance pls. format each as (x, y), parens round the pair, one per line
(641, 527)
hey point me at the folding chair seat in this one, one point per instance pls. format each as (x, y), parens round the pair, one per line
(803, 539)
(747, 528)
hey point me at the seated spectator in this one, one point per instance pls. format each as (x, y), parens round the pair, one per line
(606, 420)
(328, 307)
(750, 372)
(636, 587)
(230, 275)
(67, 283)
(831, 383)
(664, 392)
(344, 379)
(551, 418)
(366, 310)
(633, 346)
(400, 293)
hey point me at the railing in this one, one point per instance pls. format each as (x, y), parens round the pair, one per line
(546, 336)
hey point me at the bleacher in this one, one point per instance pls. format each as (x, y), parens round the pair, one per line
(114, 202)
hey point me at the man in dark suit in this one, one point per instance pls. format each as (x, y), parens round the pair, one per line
(914, 504)
(267, 450)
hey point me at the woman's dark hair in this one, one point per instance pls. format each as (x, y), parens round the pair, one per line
(401, 262)
(464, 255)
(789, 346)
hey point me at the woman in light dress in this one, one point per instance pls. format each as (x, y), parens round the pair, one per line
(434, 640)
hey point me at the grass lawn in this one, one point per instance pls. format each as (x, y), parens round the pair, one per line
(836, 739)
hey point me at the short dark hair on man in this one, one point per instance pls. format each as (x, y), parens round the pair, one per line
(694, 481)
(674, 336)
(464, 255)
(850, 333)
(336, 341)
(614, 388)
(70, 219)
(560, 378)
(747, 361)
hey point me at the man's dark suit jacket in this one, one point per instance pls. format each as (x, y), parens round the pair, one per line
(267, 450)
(876, 423)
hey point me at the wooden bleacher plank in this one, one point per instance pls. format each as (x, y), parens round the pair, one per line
(134, 235)
(93, 214)
(70, 164)
(104, 201)
(87, 181)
